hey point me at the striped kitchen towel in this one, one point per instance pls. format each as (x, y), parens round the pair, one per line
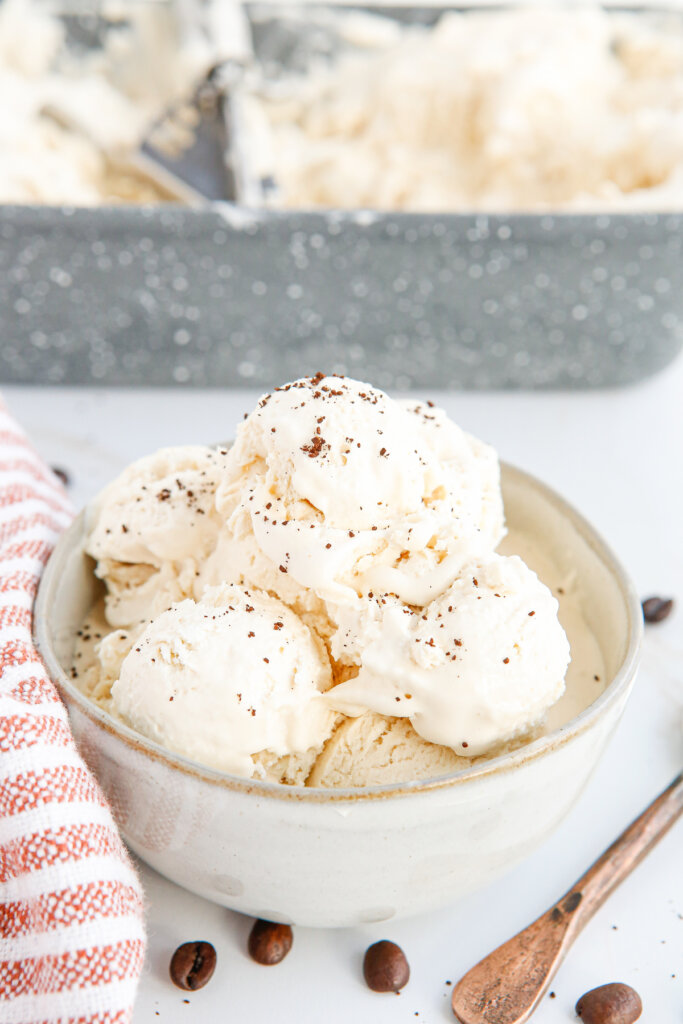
(71, 922)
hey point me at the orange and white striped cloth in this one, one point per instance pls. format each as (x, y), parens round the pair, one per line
(71, 918)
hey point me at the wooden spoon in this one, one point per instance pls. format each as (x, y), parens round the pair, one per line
(507, 985)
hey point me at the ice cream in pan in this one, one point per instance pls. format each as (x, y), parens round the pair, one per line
(323, 602)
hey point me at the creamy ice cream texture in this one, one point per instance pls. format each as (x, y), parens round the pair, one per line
(478, 665)
(153, 527)
(227, 677)
(381, 625)
(549, 107)
(545, 109)
(344, 491)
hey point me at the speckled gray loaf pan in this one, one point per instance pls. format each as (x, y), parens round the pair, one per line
(226, 297)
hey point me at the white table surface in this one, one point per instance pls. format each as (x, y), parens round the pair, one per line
(618, 457)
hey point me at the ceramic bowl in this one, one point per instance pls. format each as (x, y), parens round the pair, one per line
(340, 857)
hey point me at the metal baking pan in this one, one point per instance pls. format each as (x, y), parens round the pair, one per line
(229, 295)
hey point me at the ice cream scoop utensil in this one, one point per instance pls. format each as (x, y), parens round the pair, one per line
(187, 149)
(506, 986)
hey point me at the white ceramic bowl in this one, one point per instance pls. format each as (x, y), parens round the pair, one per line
(337, 857)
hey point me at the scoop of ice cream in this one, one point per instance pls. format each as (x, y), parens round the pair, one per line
(222, 679)
(152, 528)
(334, 488)
(373, 750)
(479, 665)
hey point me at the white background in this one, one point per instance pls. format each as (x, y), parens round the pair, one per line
(618, 457)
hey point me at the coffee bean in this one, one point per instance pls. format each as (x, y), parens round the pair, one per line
(61, 474)
(192, 965)
(657, 608)
(269, 943)
(610, 1004)
(385, 967)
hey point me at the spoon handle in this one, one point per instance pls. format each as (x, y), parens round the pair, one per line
(625, 853)
(507, 985)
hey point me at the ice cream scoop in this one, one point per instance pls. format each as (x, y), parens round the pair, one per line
(480, 665)
(333, 487)
(225, 678)
(151, 529)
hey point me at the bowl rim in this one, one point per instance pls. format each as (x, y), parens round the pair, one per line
(508, 761)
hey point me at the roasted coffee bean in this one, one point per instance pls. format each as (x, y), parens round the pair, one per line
(385, 967)
(269, 943)
(61, 474)
(657, 608)
(192, 965)
(610, 1004)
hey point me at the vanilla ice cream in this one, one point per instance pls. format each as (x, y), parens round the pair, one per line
(153, 527)
(222, 679)
(481, 664)
(334, 490)
(322, 603)
(539, 108)
(380, 750)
